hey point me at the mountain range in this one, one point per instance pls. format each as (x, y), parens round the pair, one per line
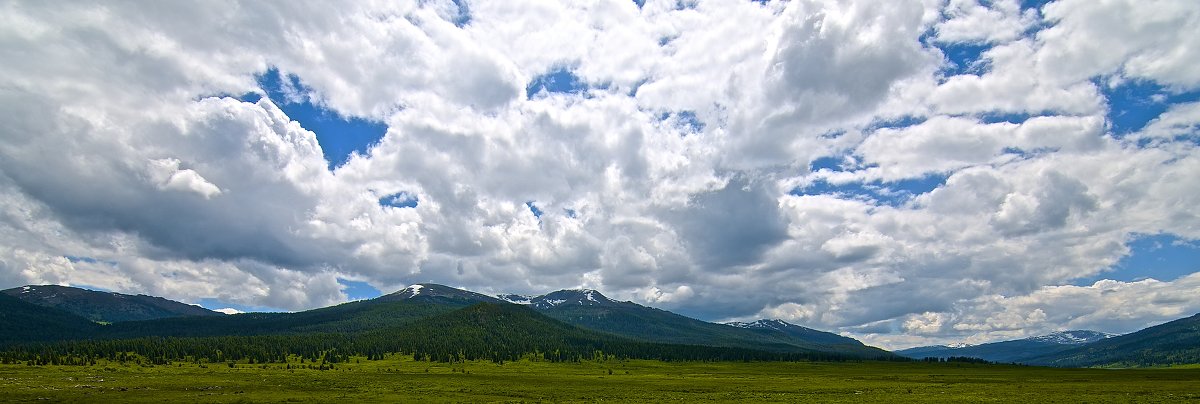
(580, 318)
(1015, 351)
(446, 323)
(1171, 343)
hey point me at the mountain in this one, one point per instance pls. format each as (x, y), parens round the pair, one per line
(105, 306)
(1014, 351)
(592, 310)
(26, 322)
(1174, 342)
(432, 292)
(803, 333)
(392, 310)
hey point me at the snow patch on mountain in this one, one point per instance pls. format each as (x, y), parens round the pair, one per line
(767, 324)
(517, 299)
(1073, 337)
(414, 289)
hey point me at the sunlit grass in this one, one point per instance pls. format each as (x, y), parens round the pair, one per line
(402, 379)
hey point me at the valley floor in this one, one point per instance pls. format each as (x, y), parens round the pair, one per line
(402, 379)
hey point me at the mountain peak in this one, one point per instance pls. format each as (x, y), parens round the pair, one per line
(433, 290)
(575, 297)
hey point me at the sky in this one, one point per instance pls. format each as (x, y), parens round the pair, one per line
(905, 172)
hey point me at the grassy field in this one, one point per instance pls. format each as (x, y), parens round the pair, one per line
(401, 379)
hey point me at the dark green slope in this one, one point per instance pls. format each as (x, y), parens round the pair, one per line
(505, 331)
(1175, 342)
(589, 309)
(26, 322)
(105, 306)
(498, 332)
(386, 311)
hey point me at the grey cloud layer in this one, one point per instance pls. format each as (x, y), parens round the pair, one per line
(117, 146)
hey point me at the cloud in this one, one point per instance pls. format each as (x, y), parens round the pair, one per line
(698, 166)
(996, 21)
(167, 175)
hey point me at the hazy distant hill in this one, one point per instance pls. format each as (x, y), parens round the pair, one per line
(105, 306)
(1175, 342)
(1015, 351)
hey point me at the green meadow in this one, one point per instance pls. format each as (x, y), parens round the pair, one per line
(403, 379)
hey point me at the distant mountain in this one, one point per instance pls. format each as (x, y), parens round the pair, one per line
(1175, 342)
(592, 310)
(105, 306)
(26, 322)
(803, 333)
(1014, 351)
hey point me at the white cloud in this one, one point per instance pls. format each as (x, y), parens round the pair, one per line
(117, 148)
(167, 175)
(995, 21)
(1178, 120)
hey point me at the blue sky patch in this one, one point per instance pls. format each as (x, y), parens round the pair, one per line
(558, 81)
(89, 260)
(962, 58)
(464, 13)
(1034, 4)
(687, 121)
(1134, 103)
(831, 163)
(356, 290)
(1009, 117)
(533, 208)
(1164, 257)
(895, 123)
(894, 193)
(400, 200)
(338, 136)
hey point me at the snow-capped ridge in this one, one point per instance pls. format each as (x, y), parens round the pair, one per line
(1072, 337)
(766, 323)
(575, 297)
(424, 291)
(517, 299)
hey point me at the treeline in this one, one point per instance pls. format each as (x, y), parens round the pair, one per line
(956, 359)
(481, 332)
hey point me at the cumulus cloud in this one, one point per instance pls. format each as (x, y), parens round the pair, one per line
(688, 167)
